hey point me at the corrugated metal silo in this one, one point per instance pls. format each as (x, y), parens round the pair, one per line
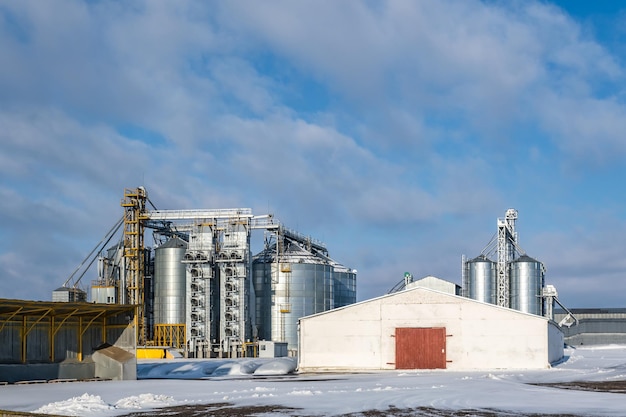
(344, 282)
(170, 283)
(526, 281)
(298, 285)
(481, 279)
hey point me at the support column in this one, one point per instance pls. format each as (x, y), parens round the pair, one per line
(51, 335)
(79, 354)
(24, 334)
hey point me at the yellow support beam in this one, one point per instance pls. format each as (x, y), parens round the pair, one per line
(79, 354)
(134, 204)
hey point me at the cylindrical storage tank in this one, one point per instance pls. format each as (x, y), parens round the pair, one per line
(263, 274)
(170, 283)
(298, 285)
(345, 285)
(526, 282)
(481, 273)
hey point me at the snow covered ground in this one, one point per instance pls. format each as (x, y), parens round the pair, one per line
(332, 394)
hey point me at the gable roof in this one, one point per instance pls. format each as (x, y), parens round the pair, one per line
(424, 290)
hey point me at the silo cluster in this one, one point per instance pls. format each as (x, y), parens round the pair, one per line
(525, 281)
(196, 290)
(291, 281)
(209, 296)
(513, 279)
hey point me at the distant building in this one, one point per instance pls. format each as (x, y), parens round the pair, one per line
(420, 328)
(69, 295)
(596, 326)
(435, 283)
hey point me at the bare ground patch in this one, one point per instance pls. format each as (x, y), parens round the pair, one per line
(231, 410)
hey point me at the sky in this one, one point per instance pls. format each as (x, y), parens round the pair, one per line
(335, 394)
(396, 132)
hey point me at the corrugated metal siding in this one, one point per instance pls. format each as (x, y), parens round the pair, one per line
(421, 348)
(596, 326)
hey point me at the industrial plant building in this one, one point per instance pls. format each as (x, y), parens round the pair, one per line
(421, 328)
(202, 291)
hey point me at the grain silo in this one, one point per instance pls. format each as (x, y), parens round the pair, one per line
(170, 292)
(298, 281)
(526, 284)
(344, 283)
(480, 276)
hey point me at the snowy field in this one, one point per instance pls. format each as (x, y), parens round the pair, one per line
(189, 382)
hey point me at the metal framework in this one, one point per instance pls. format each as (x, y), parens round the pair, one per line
(233, 263)
(507, 240)
(550, 296)
(200, 273)
(170, 335)
(134, 204)
(504, 245)
(218, 272)
(52, 317)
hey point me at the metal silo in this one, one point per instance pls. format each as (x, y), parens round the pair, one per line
(481, 279)
(527, 279)
(344, 283)
(170, 283)
(293, 285)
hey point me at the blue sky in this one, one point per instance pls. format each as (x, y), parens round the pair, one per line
(396, 132)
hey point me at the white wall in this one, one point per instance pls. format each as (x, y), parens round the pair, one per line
(480, 336)
(556, 341)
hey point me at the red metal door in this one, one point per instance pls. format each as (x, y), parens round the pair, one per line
(420, 348)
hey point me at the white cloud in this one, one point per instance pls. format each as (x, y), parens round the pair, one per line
(429, 112)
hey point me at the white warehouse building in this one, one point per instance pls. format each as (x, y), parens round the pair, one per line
(421, 328)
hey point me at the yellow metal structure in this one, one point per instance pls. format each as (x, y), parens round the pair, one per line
(285, 268)
(170, 335)
(150, 353)
(134, 204)
(156, 352)
(51, 317)
(253, 347)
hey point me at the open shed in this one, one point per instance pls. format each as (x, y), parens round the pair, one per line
(421, 328)
(42, 340)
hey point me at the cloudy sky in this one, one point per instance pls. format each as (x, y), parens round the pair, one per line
(396, 132)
